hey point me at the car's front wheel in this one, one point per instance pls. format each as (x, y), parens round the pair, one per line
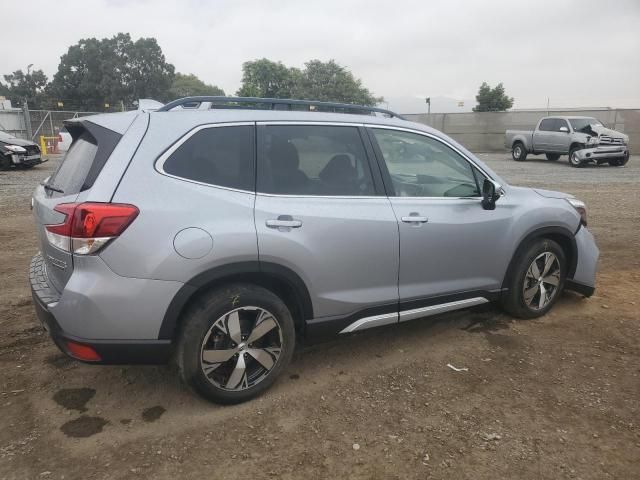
(619, 162)
(574, 160)
(235, 343)
(537, 279)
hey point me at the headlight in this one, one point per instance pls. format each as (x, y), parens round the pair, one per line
(15, 148)
(581, 208)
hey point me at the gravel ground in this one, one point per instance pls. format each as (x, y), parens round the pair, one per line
(553, 398)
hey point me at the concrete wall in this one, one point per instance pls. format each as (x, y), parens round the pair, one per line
(484, 132)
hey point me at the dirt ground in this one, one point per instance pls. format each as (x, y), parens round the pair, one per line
(557, 397)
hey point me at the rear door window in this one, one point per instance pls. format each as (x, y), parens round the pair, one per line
(222, 156)
(323, 160)
(547, 125)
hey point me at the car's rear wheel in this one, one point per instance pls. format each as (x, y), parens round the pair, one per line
(553, 156)
(518, 152)
(574, 160)
(537, 280)
(235, 342)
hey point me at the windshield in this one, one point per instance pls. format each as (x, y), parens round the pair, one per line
(583, 124)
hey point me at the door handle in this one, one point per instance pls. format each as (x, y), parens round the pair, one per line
(283, 222)
(414, 217)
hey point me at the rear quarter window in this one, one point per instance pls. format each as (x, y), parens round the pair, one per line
(220, 156)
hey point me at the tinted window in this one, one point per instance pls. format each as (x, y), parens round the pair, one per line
(72, 172)
(221, 156)
(314, 160)
(561, 123)
(547, 125)
(421, 166)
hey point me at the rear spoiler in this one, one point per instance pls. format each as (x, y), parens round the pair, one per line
(149, 105)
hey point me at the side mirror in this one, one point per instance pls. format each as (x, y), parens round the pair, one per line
(490, 194)
(564, 129)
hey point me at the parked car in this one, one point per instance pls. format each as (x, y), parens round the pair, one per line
(18, 153)
(64, 140)
(220, 237)
(584, 139)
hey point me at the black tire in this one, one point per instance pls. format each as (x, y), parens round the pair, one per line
(519, 152)
(619, 162)
(553, 156)
(514, 301)
(573, 160)
(5, 163)
(198, 322)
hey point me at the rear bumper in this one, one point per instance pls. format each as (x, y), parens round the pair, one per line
(111, 351)
(603, 153)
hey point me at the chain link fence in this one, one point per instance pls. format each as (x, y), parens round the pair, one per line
(32, 124)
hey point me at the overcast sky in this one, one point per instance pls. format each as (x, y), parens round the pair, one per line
(576, 53)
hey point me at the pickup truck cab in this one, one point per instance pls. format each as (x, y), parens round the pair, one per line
(583, 139)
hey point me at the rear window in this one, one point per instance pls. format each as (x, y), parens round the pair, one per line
(222, 156)
(91, 147)
(73, 170)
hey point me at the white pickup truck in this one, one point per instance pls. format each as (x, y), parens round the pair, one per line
(584, 139)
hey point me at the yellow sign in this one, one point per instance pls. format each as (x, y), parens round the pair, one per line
(106, 105)
(60, 104)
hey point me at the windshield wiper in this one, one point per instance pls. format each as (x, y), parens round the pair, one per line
(51, 188)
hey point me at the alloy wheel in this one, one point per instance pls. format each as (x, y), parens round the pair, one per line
(241, 348)
(517, 151)
(542, 280)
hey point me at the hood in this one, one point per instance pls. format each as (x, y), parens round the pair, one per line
(11, 140)
(551, 193)
(600, 130)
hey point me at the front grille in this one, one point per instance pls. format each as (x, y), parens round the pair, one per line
(607, 140)
(32, 149)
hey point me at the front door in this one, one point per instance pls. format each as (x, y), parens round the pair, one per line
(321, 212)
(451, 249)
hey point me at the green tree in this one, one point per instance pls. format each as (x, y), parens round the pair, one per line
(112, 70)
(21, 86)
(329, 81)
(189, 85)
(325, 81)
(266, 79)
(492, 99)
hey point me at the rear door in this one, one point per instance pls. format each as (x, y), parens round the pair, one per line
(321, 211)
(543, 135)
(91, 147)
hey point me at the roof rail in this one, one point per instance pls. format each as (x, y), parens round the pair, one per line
(277, 104)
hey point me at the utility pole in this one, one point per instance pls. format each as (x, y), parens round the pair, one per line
(27, 118)
(25, 109)
(428, 100)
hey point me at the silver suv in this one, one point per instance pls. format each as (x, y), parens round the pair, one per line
(219, 237)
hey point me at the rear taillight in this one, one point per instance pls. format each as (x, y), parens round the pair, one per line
(88, 227)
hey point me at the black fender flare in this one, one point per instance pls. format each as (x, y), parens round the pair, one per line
(565, 233)
(202, 280)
